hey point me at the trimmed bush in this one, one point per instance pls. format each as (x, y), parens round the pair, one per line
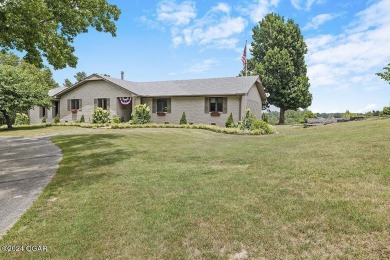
(264, 117)
(116, 119)
(183, 119)
(141, 114)
(82, 119)
(57, 119)
(21, 119)
(100, 116)
(247, 120)
(43, 120)
(260, 125)
(230, 122)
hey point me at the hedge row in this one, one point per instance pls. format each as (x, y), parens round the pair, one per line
(212, 128)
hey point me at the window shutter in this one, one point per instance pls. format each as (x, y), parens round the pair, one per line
(108, 104)
(80, 104)
(225, 105)
(154, 106)
(40, 112)
(206, 105)
(95, 103)
(168, 105)
(68, 104)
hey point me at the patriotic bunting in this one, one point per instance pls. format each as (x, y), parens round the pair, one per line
(125, 100)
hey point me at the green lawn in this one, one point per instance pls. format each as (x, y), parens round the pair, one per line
(321, 192)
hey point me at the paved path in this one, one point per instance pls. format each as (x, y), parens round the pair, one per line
(26, 167)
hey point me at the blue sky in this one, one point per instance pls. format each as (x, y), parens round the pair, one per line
(348, 42)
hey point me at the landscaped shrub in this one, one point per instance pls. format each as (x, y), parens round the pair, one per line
(82, 119)
(247, 120)
(141, 114)
(230, 122)
(116, 119)
(262, 126)
(57, 119)
(43, 119)
(100, 116)
(264, 117)
(183, 119)
(386, 111)
(21, 119)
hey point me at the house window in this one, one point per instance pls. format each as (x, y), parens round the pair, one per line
(161, 105)
(216, 104)
(102, 102)
(75, 104)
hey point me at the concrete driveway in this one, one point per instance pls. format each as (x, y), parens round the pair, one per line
(26, 167)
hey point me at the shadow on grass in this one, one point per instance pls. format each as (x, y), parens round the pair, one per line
(25, 127)
(88, 159)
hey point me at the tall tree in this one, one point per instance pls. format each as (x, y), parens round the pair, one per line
(46, 28)
(79, 76)
(67, 83)
(386, 74)
(278, 54)
(22, 86)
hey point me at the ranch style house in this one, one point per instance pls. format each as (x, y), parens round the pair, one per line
(207, 101)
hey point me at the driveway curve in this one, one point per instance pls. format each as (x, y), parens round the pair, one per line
(26, 167)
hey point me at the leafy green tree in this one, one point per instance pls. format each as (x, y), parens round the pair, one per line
(22, 86)
(386, 74)
(67, 83)
(47, 28)
(79, 76)
(278, 51)
(386, 111)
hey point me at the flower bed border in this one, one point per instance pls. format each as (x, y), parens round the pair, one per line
(212, 128)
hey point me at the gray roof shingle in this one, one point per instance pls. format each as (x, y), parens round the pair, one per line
(194, 87)
(55, 91)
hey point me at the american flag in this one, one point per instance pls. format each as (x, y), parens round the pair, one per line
(243, 57)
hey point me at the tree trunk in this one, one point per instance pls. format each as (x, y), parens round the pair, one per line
(281, 116)
(7, 119)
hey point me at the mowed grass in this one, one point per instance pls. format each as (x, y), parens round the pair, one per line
(38, 131)
(321, 192)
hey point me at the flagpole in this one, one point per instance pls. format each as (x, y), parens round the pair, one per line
(246, 60)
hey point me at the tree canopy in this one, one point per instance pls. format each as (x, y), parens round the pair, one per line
(22, 86)
(79, 76)
(46, 28)
(278, 51)
(386, 74)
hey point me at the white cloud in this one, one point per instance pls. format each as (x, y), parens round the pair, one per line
(319, 20)
(305, 4)
(222, 7)
(348, 60)
(369, 107)
(201, 67)
(177, 14)
(216, 28)
(258, 9)
(214, 31)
